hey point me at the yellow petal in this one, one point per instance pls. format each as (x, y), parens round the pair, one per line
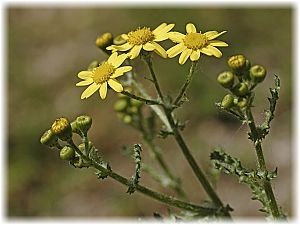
(85, 82)
(195, 55)
(190, 28)
(124, 36)
(90, 90)
(184, 56)
(216, 52)
(103, 90)
(210, 33)
(160, 50)
(85, 75)
(135, 51)
(161, 37)
(164, 30)
(176, 37)
(175, 50)
(114, 84)
(218, 43)
(124, 47)
(148, 47)
(206, 51)
(112, 57)
(216, 35)
(159, 28)
(120, 71)
(119, 60)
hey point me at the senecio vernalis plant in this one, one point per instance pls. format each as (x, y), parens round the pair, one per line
(138, 109)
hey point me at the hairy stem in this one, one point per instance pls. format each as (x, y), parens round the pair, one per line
(155, 195)
(262, 164)
(186, 84)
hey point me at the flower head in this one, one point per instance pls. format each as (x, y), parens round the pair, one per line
(193, 44)
(144, 38)
(105, 73)
(62, 128)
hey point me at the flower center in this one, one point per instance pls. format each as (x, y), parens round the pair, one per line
(140, 36)
(195, 41)
(103, 73)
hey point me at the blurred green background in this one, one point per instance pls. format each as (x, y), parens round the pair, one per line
(47, 47)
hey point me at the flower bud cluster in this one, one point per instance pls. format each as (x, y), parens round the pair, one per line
(240, 80)
(61, 133)
(127, 108)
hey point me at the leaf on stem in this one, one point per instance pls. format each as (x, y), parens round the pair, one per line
(253, 178)
(134, 180)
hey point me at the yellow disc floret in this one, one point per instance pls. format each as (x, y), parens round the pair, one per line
(140, 36)
(195, 41)
(103, 73)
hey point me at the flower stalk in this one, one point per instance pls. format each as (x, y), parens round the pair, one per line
(153, 194)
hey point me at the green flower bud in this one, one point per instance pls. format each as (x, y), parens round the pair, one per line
(121, 105)
(227, 101)
(226, 79)
(127, 119)
(75, 128)
(132, 109)
(104, 41)
(62, 128)
(84, 123)
(258, 73)
(93, 65)
(237, 63)
(240, 89)
(119, 40)
(242, 103)
(49, 139)
(67, 153)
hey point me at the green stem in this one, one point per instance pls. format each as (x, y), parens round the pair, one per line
(180, 141)
(154, 79)
(192, 162)
(186, 84)
(147, 101)
(155, 195)
(262, 164)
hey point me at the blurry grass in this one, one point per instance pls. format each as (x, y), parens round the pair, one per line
(47, 47)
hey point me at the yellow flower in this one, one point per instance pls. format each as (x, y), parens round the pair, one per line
(144, 38)
(193, 44)
(104, 74)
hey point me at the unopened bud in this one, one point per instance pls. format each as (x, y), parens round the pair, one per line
(127, 119)
(84, 123)
(237, 63)
(104, 41)
(240, 89)
(67, 153)
(226, 79)
(121, 105)
(49, 139)
(135, 102)
(242, 103)
(227, 101)
(258, 73)
(62, 128)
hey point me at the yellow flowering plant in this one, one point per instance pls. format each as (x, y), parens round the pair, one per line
(117, 73)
